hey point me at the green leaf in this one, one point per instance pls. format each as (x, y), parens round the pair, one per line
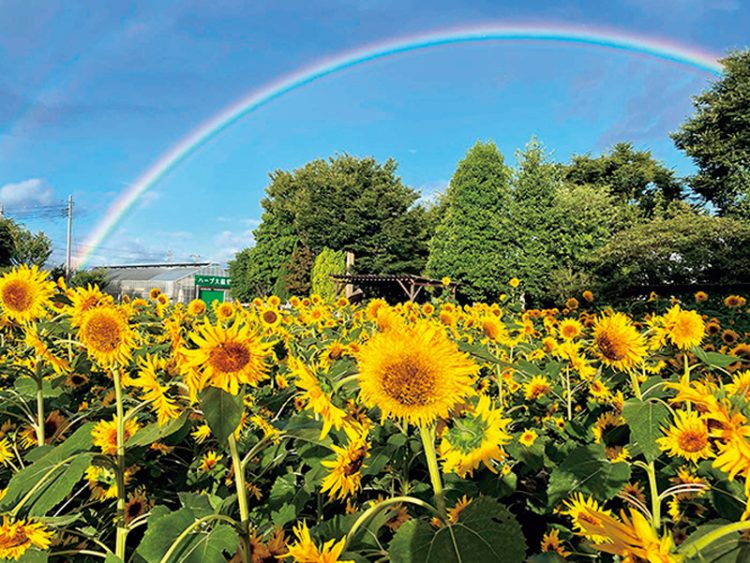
(59, 488)
(153, 432)
(714, 359)
(199, 505)
(222, 410)
(53, 465)
(645, 419)
(163, 528)
(208, 547)
(587, 469)
(486, 531)
(286, 499)
(26, 386)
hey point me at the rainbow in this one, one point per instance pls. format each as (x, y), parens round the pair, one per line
(613, 39)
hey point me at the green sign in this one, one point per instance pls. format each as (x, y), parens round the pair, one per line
(212, 281)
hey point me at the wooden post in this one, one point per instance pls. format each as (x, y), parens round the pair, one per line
(349, 289)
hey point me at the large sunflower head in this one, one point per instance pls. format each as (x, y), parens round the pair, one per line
(24, 293)
(416, 374)
(684, 328)
(83, 299)
(105, 333)
(228, 357)
(618, 343)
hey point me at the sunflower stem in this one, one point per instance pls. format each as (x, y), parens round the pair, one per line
(636, 385)
(655, 498)
(686, 378)
(122, 531)
(428, 441)
(239, 481)
(368, 514)
(691, 549)
(39, 410)
(568, 396)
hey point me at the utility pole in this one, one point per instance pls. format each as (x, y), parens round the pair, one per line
(70, 231)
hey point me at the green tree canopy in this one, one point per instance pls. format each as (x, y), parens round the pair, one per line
(632, 176)
(535, 183)
(95, 277)
(717, 138)
(344, 203)
(473, 241)
(686, 248)
(327, 263)
(18, 245)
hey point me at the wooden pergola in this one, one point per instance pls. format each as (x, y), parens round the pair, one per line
(411, 284)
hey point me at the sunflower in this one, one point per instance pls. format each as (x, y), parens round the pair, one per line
(734, 301)
(105, 333)
(684, 328)
(316, 398)
(536, 387)
(104, 434)
(18, 536)
(570, 329)
(528, 437)
(588, 295)
(304, 550)
(84, 298)
(224, 311)
(151, 390)
(6, 452)
(632, 538)
(618, 343)
(137, 505)
(196, 307)
(43, 352)
(24, 293)
(687, 438)
(740, 385)
(345, 476)
(475, 437)
(494, 329)
(701, 296)
(154, 292)
(209, 461)
(514, 282)
(585, 512)
(729, 337)
(201, 433)
(551, 542)
(270, 318)
(416, 374)
(228, 357)
(606, 420)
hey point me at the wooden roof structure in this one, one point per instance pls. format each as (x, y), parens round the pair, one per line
(411, 284)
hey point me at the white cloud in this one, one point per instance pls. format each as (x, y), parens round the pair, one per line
(28, 193)
(431, 191)
(229, 243)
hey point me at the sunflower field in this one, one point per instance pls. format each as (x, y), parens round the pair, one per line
(314, 431)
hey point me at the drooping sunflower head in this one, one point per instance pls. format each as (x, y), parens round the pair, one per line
(104, 434)
(105, 333)
(585, 513)
(25, 293)
(416, 375)
(618, 343)
(475, 437)
(18, 536)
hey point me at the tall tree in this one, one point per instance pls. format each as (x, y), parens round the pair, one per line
(535, 183)
(327, 263)
(631, 175)
(472, 241)
(18, 245)
(344, 203)
(717, 138)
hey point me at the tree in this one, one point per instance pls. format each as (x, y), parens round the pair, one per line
(327, 263)
(583, 219)
(344, 203)
(686, 248)
(534, 186)
(472, 242)
(95, 277)
(717, 138)
(631, 176)
(18, 245)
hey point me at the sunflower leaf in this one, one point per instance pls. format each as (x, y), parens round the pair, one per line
(645, 419)
(222, 410)
(486, 531)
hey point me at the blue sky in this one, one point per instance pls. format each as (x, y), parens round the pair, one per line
(91, 94)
